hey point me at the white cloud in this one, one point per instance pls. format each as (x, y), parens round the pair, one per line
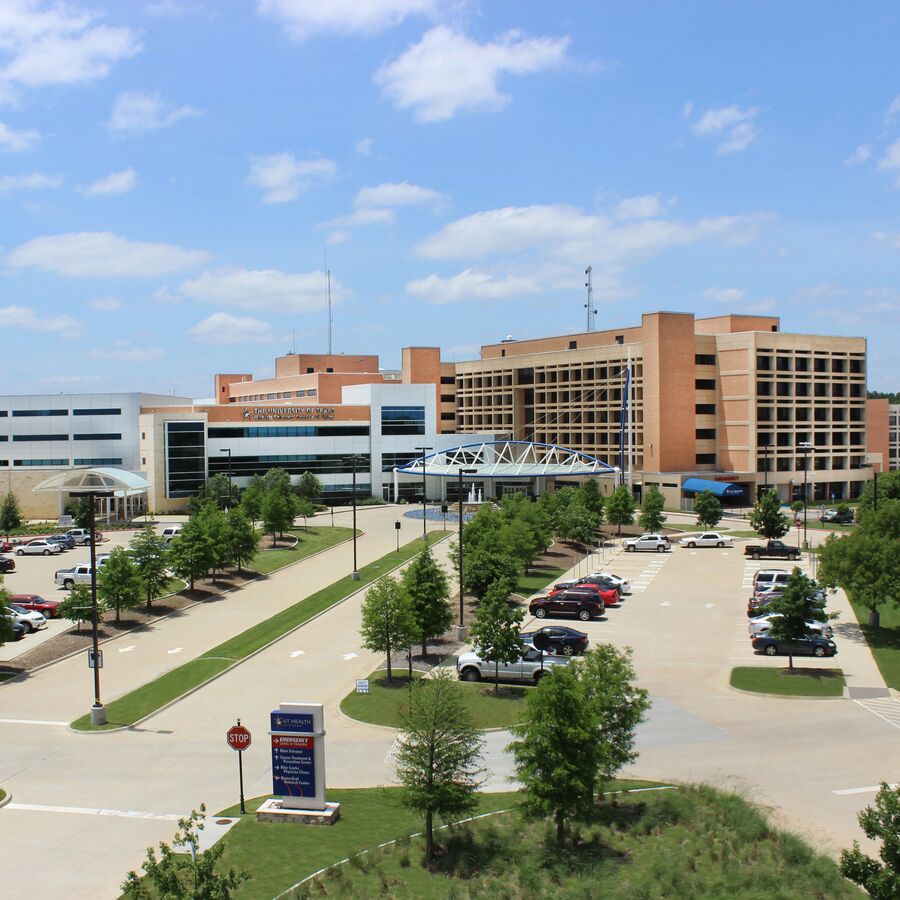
(137, 112)
(124, 351)
(223, 328)
(281, 177)
(725, 295)
(364, 146)
(338, 237)
(105, 304)
(735, 127)
(890, 162)
(53, 43)
(647, 206)
(302, 18)
(114, 183)
(687, 109)
(362, 217)
(16, 141)
(29, 319)
(100, 254)
(892, 239)
(892, 111)
(395, 194)
(860, 155)
(262, 289)
(34, 182)
(471, 285)
(447, 72)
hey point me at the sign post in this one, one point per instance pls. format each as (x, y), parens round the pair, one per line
(397, 529)
(238, 738)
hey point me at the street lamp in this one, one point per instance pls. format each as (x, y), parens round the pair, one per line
(353, 460)
(98, 712)
(424, 508)
(805, 447)
(228, 451)
(461, 628)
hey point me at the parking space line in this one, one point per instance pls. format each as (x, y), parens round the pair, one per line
(871, 789)
(29, 722)
(91, 811)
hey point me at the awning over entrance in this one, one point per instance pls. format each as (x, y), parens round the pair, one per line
(120, 494)
(719, 488)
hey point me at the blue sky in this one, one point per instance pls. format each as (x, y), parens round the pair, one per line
(173, 174)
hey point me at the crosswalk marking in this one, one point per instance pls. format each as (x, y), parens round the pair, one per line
(886, 708)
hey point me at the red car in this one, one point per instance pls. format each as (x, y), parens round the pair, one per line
(607, 596)
(5, 547)
(36, 603)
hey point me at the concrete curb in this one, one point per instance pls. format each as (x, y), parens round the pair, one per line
(731, 687)
(6, 799)
(237, 663)
(123, 634)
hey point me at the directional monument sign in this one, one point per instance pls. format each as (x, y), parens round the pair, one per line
(298, 755)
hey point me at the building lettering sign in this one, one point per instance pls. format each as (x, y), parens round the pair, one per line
(269, 413)
(298, 755)
(729, 478)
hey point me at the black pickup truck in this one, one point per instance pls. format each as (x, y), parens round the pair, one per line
(771, 550)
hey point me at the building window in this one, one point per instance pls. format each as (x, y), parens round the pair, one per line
(98, 412)
(706, 459)
(40, 462)
(573, 345)
(705, 409)
(29, 413)
(403, 420)
(706, 434)
(705, 384)
(101, 461)
(448, 379)
(705, 359)
(3, 437)
(40, 437)
(448, 398)
(329, 369)
(109, 436)
(293, 463)
(448, 416)
(185, 458)
(3, 413)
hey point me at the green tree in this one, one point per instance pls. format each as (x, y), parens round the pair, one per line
(276, 514)
(213, 522)
(495, 631)
(881, 880)
(241, 537)
(576, 523)
(279, 480)
(483, 529)
(888, 489)
(482, 567)
(305, 509)
(216, 490)
(520, 542)
(426, 585)
(10, 514)
(6, 622)
(708, 509)
(175, 875)
(388, 622)
(191, 554)
(76, 605)
(800, 603)
(767, 518)
(592, 498)
(252, 498)
(620, 508)
(79, 508)
(438, 754)
(118, 582)
(651, 517)
(309, 488)
(151, 558)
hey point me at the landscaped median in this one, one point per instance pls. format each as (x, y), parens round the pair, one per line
(799, 683)
(309, 541)
(141, 702)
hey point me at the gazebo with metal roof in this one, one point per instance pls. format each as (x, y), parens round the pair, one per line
(121, 493)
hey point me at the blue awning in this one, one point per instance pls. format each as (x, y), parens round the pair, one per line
(719, 488)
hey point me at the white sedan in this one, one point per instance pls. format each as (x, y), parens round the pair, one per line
(706, 539)
(621, 583)
(39, 547)
(30, 619)
(760, 625)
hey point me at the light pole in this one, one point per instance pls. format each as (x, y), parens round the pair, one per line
(98, 712)
(461, 628)
(874, 484)
(805, 446)
(766, 464)
(424, 508)
(228, 451)
(353, 460)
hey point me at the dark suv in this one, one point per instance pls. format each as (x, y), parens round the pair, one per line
(585, 605)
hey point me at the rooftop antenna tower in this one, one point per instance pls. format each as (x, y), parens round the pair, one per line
(589, 306)
(328, 296)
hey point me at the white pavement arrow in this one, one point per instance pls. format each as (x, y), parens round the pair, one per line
(176, 650)
(127, 649)
(709, 605)
(665, 603)
(297, 653)
(350, 655)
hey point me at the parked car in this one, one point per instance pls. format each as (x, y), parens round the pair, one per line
(658, 542)
(706, 539)
(564, 641)
(83, 536)
(31, 620)
(622, 584)
(767, 577)
(602, 581)
(170, 532)
(837, 516)
(38, 547)
(49, 609)
(607, 595)
(7, 564)
(582, 604)
(19, 631)
(805, 646)
(5, 546)
(66, 540)
(78, 574)
(530, 668)
(759, 602)
(776, 549)
(760, 625)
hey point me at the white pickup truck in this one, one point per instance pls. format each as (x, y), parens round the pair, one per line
(77, 574)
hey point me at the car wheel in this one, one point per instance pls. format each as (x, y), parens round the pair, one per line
(584, 615)
(539, 675)
(540, 612)
(720, 544)
(68, 584)
(819, 651)
(629, 548)
(29, 628)
(796, 556)
(660, 549)
(771, 650)
(20, 552)
(470, 675)
(567, 650)
(692, 544)
(46, 552)
(755, 556)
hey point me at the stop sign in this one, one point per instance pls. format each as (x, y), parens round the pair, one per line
(238, 737)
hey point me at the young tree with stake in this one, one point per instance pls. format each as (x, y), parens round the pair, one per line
(767, 518)
(708, 509)
(118, 582)
(651, 517)
(426, 585)
(495, 631)
(276, 513)
(388, 622)
(620, 508)
(151, 558)
(242, 538)
(10, 514)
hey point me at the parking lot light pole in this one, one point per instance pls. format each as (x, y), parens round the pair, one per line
(766, 464)
(424, 508)
(874, 484)
(805, 447)
(461, 628)
(353, 460)
(98, 711)
(228, 451)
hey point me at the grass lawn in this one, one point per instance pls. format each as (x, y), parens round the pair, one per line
(308, 542)
(884, 642)
(691, 842)
(383, 704)
(5, 675)
(172, 586)
(803, 683)
(149, 697)
(538, 578)
(744, 534)
(2, 795)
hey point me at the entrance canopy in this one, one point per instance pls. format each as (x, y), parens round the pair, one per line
(719, 488)
(121, 494)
